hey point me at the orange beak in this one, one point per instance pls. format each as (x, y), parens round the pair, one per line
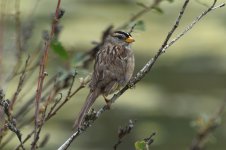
(130, 39)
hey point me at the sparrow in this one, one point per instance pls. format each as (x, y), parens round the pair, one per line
(113, 69)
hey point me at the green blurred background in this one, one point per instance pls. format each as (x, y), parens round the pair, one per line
(187, 82)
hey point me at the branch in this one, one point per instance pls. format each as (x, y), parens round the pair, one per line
(122, 132)
(42, 72)
(199, 141)
(70, 140)
(11, 122)
(149, 140)
(68, 81)
(25, 140)
(54, 109)
(145, 10)
(147, 67)
(27, 106)
(19, 87)
(145, 143)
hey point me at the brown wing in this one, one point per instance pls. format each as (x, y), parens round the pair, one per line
(109, 69)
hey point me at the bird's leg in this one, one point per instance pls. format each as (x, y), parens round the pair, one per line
(106, 99)
(108, 102)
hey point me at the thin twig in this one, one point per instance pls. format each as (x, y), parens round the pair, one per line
(147, 67)
(34, 63)
(122, 132)
(20, 84)
(55, 109)
(11, 122)
(196, 20)
(199, 141)
(27, 106)
(145, 142)
(25, 140)
(149, 140)
(145, 10)
(58, 86)
(42, 72)
(43, 112)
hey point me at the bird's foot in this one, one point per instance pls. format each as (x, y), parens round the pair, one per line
(108, 102)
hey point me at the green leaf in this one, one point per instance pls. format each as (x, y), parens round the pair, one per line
(140, 25)
(140, 145)
(58, 48)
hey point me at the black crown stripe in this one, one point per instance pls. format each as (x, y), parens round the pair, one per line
(124, 33)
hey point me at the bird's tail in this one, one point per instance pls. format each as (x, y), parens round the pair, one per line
(88, 103)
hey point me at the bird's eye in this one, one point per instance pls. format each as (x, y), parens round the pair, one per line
(120, 37)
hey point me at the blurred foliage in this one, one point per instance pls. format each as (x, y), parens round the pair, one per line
(58, 48)
(140, 25)
(140, 145)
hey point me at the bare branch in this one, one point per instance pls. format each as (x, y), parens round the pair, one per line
(145, 10)
(122, 132)
(20, 84)
(11, 122)
(42, 72)
(149, 140)
(53, 109)
(25, 140)
(69, 140)
(199, 141)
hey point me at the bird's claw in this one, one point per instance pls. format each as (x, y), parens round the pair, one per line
(108, 102)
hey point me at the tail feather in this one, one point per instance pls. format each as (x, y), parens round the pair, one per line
(88, 103)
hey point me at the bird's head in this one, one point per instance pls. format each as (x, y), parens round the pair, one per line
(121, 38)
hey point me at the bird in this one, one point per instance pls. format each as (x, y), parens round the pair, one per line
(113, 69)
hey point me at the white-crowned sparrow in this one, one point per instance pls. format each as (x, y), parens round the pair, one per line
(114, 66)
